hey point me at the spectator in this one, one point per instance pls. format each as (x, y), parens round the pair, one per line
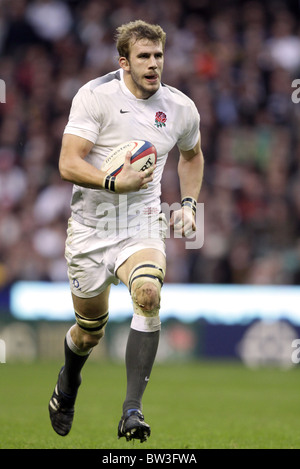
(237, 64)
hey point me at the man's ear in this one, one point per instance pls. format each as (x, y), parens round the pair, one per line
(124, 64)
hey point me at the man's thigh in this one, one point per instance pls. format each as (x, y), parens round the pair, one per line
(92, 307)
(139, 257)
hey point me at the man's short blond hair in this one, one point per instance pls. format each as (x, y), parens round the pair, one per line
(129, 33)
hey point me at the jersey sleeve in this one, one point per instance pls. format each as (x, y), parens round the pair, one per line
(190, 135)
(84, 118)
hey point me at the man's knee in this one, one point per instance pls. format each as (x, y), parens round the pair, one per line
(147, 297)
(90, 330)
(88, 341)
(145, 282)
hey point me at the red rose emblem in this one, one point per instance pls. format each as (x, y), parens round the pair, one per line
(160, 119)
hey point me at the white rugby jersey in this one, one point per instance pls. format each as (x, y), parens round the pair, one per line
(106, 113)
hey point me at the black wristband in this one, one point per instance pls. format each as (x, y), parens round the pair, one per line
(112, 184)
(189, 202)
(106, 182)
(109, 183)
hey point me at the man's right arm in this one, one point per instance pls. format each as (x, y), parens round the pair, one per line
(74, 168)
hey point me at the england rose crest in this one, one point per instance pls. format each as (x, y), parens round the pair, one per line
(160, 119)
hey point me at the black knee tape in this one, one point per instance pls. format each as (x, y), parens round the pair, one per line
(148, 272)
(91, 326)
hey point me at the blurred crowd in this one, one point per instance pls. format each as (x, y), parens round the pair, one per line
(236, 59)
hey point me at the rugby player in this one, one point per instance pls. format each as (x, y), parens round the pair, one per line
(129, 103)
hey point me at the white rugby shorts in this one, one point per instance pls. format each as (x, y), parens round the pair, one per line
(93, 259)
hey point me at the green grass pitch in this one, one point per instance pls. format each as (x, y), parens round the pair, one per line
(194, 405)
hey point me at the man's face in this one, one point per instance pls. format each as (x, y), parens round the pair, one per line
(143, 68)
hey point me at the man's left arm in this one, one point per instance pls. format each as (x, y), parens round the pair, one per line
(190, 172)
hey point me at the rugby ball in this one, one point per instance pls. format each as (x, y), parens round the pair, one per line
(143, 155)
